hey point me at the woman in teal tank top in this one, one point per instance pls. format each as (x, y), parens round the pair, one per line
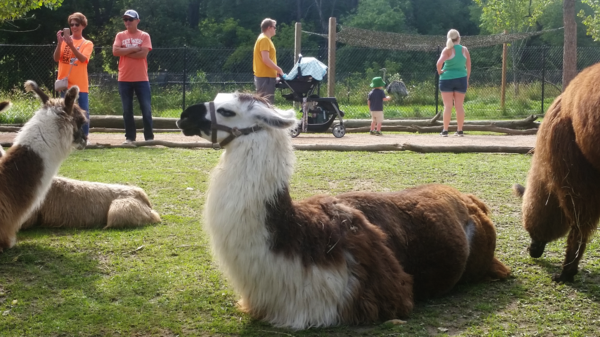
(454, 80)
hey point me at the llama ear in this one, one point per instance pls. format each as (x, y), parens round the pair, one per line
(276, 118)
(32, 86)
(71, 98)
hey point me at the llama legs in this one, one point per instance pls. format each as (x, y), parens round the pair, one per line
(576, 244)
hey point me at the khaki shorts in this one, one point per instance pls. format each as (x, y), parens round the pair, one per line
(377, 116)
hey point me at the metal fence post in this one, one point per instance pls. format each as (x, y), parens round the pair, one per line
(184, 75)
(543, 75)
(437, 84)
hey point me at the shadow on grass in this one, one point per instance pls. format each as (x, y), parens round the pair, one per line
(587, 281)
(466, 306)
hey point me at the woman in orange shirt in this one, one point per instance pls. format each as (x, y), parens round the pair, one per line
(73, 54)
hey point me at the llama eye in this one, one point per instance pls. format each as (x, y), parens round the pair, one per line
(225, 112)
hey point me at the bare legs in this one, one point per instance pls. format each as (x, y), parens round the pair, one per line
(457, 100)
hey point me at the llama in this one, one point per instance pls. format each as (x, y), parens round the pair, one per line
(91, 204)
(328, 260)
(563, 184)
(82, 204)
(28, 167)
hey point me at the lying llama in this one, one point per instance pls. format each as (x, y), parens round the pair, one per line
(82, 204)
(354, 258)
(28, 167)
(563, 184)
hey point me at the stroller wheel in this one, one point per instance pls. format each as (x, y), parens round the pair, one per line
(339, 131)
(295, 131)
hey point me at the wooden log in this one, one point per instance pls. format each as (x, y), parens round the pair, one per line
(489, 128)
(366, 129)
(152, 143)
(466, 149)
(335, 147)
(111, 130)
(527, 122)
(10, 128)
(116, 122)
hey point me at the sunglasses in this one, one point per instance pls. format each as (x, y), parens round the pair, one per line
(128, 19)
(74, 25)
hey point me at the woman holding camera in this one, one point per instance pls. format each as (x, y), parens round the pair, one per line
(72, 54)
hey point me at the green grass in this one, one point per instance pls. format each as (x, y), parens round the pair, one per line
(161, 280)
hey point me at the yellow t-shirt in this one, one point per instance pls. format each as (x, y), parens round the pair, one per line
(79, 73)
(264, 43)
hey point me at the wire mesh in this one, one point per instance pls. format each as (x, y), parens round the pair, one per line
(183, 76)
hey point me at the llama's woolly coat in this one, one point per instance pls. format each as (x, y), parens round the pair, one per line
(27, 168)
(563, 184)
(328, 260)
(82, 204)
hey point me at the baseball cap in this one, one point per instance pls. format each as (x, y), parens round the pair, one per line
(131, 13)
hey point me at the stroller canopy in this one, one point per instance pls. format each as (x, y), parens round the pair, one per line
(307, 66)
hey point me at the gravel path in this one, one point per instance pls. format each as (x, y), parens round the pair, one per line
(328, 138)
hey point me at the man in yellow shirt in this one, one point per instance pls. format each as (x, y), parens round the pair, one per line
(264, 62)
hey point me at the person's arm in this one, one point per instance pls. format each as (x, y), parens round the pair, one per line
(124, 51)
(80, 57)
(59, 41)
(140, 54)
(443, 57)
(468, 64)
(267, 61)
(387, 98)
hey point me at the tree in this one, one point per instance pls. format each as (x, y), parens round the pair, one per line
(570, 47)
(10, 10)
(379, 15)
(511, 15)
(592, 22)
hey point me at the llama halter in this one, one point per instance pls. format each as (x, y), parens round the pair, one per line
(233, 132)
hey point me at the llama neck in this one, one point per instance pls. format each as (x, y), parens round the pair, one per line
(50, 142)
(251, 172)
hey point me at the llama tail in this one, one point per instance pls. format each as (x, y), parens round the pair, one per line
(518, 190)
(32, 86)
(4, 105)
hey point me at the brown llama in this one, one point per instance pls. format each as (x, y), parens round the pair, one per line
(563, 184)
(28, 167)
(327, 260)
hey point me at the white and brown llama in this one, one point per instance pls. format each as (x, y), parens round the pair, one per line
(73, 203)
(328, 260)
(28, 167)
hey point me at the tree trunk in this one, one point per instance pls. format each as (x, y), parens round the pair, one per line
(194, 13)
(570, 43)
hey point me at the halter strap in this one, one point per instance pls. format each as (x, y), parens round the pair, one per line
(233, 132)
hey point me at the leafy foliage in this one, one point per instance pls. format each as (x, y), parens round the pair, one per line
(13, 9)
(592, 22)
(511, 15)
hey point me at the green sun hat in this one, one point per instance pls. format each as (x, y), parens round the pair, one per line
(377, 82)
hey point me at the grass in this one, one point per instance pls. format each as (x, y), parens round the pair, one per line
(161, 280)
(481, 101)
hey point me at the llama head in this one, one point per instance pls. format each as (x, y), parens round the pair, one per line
(59, 115)
(235, 115)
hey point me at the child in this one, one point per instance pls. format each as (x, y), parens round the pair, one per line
(375, 102)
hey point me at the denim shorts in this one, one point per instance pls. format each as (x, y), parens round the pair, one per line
(455, 84)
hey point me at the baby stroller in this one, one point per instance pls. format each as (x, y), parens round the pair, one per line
(318, 113)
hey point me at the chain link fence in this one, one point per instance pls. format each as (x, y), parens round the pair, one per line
(183, 76)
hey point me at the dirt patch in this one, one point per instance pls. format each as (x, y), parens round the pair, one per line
(327, 138)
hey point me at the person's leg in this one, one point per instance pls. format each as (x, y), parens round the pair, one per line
(448, 98)
(265, 87)
(84, 103)
(144, 95)
(459, 99)
(378, 116)
(373, 123)
(126, 93)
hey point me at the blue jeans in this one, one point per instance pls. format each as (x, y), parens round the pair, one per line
(84, 103)
(142, 91)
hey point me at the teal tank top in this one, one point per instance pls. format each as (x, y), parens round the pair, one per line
(456, 67)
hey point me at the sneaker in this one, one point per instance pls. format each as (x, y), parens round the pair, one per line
(444, 133)
(372, 132)
(128, 142)
(88, 143)
(459, 133)
(378, 133)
